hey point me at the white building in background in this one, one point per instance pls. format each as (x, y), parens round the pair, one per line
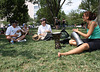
(1, 22)
(36, 8)
(32, 9)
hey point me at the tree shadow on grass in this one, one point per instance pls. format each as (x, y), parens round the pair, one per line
(6, 49)
(15, 53)
(3, 39)
(9, 50)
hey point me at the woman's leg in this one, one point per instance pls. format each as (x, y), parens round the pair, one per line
(8, 38)
(20, 38)
(56, 26)
(72, 42)
(77, 50)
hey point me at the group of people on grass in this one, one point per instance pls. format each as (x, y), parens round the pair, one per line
(15, 34)
(92, 41)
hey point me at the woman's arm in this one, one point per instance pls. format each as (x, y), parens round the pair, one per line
(91, 29)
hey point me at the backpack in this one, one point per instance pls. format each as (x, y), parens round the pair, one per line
(48, 37)
(64, 37)
(64, 34)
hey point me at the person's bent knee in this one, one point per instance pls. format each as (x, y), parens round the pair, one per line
(8, 37)
(23, 36)
(70, 41)
(86, 46)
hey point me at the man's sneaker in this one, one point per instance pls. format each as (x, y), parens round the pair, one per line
(19, 41)
(12, 42)
(22, 40)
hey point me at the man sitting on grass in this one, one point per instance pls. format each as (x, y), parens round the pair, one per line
(44, 30)
(13, 33)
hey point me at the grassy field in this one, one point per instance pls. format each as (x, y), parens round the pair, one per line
(41, 56)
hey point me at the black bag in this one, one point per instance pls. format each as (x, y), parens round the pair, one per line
(65, 37)
(64, 34)
(48, 37)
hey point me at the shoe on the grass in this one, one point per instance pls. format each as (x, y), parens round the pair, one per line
(22, 40)
(12, 42)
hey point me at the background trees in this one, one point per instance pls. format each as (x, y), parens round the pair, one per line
(14, 10)
(50, 9)
(89, 5)
(75, 16)
(17, 10)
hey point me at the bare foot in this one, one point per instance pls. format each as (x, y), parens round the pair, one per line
(59, 55)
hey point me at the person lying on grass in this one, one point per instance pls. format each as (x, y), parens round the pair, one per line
(92, 41)
(13, 33)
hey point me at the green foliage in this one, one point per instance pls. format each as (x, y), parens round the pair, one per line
(31, 19)
(44, 13)
(61, 15)
(2, 8)
(30, 23)
(75, 17)
(50, 9)
(14, 10)
(5, 22)
(89, 5)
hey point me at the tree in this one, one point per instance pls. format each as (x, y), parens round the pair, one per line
(89, 5)
(53, 5)
(2, 8)
(50, 9)
(14, 10)
(61, 15)
(44, 12)
(74, 17)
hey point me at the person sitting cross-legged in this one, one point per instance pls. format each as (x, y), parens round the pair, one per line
(25, 29)
(13, 33)
(44, 29)
(92, 41)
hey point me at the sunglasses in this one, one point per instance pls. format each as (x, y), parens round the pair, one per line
(83, 16)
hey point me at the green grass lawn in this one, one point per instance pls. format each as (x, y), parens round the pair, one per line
(41, 56)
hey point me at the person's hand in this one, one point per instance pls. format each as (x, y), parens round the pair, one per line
(15, 35)
(43, 34)
(75, 30)
(47, 31)
(18, 31)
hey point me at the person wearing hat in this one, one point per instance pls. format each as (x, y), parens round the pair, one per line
(44, 28)
(13, 33)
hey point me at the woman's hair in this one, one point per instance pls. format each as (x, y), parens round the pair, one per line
(91, 15)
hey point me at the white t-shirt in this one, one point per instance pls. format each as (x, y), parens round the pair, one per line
(11, 30)
(42, 28)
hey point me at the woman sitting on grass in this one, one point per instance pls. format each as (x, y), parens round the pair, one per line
(92, 41)
(25, 29)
